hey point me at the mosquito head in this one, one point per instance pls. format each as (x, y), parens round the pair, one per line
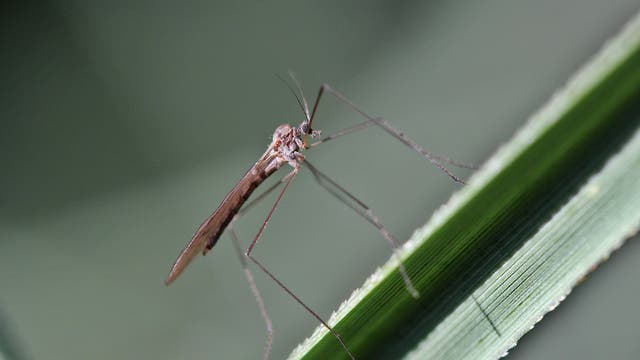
(306, 130)
(304, 127)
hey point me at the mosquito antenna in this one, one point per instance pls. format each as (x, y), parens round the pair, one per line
(299, 86)
(302, 107)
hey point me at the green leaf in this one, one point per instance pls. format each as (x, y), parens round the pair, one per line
(507, 248)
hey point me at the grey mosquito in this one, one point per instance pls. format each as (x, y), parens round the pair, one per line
(287, 145)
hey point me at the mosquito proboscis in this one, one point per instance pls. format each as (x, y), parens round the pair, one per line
(286, 148)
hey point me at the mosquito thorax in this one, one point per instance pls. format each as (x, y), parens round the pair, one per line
(288, 143)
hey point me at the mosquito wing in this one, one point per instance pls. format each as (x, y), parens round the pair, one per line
(197, 244)
(208, 233)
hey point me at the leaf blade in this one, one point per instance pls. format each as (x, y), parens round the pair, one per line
(485, 225)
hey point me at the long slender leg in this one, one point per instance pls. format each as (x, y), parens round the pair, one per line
(275, 279)
(366, 124)
(255, 292)
(245, 268)
(387, 127)
(364, 211)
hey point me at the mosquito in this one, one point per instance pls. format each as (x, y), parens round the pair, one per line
(286, 148)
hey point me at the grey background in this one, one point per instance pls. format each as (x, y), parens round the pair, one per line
(124, 125)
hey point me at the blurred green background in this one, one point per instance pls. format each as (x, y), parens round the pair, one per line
(125, 123)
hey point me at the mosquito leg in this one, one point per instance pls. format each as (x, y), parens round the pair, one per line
(436, 160)
(364, 211)
(256, 293)
(360, 126)
(367, 123)
(245, 268)
(450, 161)
(274, 278)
